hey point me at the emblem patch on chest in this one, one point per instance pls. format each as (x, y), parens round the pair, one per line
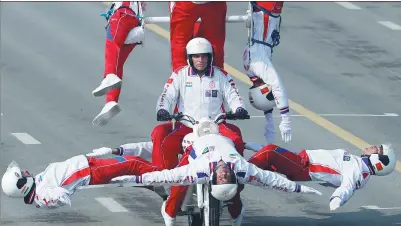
(211, 93)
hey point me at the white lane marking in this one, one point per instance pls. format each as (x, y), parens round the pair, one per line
(111, 204)
(342, 115)
(25, 138)
(1, 114)
(390, 25)
(380, 208)
(348, 5)
(391, 114)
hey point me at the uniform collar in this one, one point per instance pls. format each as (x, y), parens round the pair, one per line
(367, 164)
(209, 72)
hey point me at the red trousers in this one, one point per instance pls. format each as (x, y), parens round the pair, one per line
(280, 160)
(167, 143)
(183, 18)
(116, 52)
(177, 196)
(103, 170)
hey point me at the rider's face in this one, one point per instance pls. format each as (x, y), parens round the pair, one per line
(26, 173)
(200, 61)
(373, 150)
(223, 174)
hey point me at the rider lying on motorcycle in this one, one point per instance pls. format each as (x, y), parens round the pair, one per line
(54, 186)
(199, 90)
(338, 167)
(213, 159)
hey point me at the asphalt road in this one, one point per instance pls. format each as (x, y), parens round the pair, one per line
(332, 59)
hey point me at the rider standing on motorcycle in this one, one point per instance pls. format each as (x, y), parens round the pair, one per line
(183, 27)
(213, 159)
(201, 91)
(267, 84)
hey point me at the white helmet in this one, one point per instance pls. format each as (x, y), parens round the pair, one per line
(383, 164)
(205, 126)
(187, 141)
(14, 184)
(197, 46)
(261, 97)
(224, 192)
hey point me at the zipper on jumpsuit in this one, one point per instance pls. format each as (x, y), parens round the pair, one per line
(201, 96)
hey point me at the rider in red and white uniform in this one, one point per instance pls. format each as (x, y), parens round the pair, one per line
(338, 167)
(183, 27)
(53, 187)
(198, 90)
(267, 84)
(124, 32)
(213, 159)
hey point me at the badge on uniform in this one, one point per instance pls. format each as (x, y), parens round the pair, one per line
(211, 93)
(346, 157)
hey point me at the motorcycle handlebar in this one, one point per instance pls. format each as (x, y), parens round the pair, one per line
(179, 116)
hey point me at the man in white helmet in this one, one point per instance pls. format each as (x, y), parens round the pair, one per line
(338, 167)
(53, 187)
(213, 159)
(198, 90)
(268, 90)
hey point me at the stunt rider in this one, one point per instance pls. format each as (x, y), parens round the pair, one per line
(213, 159)
(124, 32)
(183, 27)
(54, 186)
(199, 90)
(267, 84)
(338, 167)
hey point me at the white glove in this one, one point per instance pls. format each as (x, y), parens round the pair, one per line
(65, 199)
(123, 179)
(270, 132)
(100, 152)
(309, 190)
(335, 203)
(285, 127)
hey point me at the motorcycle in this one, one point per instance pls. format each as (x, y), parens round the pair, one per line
(199, 205)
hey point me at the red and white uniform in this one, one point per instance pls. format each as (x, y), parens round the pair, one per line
(120, 24)
(183, 17)
(198, 163)
(337, 167)
(197, 97)
(58, 181)
(258, 56)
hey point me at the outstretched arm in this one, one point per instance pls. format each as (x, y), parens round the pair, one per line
(192, 173)
(52, 197)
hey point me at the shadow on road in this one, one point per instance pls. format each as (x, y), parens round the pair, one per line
(363, 217)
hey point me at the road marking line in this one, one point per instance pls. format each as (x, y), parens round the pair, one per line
(340, 115)
(390, 25)
(348, 5)
(380, 208)
(345, 135)
(25, 138)
(111, 204)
